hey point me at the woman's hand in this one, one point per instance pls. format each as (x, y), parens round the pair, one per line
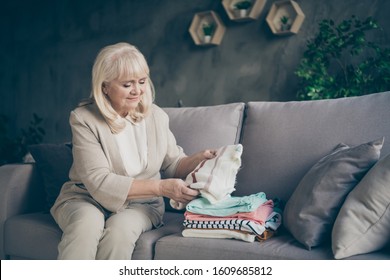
(188, 164)
(177, 190)
(208, 154)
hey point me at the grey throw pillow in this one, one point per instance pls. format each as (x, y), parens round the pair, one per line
(53, 162)
(310, 212)
(363, 223)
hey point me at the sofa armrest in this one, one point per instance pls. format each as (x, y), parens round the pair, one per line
(21, 191)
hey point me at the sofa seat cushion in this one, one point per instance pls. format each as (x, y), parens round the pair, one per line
(32, 236)
(144, 248)
(36, 236)
(283, 247)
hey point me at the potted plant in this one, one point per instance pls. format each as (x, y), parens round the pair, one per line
(284, 23)
(341, 62)
(208, 30)
(14, 149)
(242, 8)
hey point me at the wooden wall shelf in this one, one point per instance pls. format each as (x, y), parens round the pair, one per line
(207, 29)
(285, 17)
(252, 13)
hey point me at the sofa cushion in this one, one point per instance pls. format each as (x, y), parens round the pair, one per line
(54, 162)
(36, 236)
(32, 236)
(283, 140)
(283, 246)
(199, 128)
(310, 212)
(145, 246)
(280, 247)
(207, 127)
(363, 223)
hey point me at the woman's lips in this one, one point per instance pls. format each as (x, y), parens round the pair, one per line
(133, 98)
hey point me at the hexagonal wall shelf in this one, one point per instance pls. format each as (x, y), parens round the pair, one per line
(285, 17)
(207, 28)
(243, 10)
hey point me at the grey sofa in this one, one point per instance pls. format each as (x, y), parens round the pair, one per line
(282, 142)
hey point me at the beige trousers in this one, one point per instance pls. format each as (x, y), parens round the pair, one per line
(89, 233)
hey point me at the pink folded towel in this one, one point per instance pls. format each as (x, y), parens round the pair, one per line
(260, 215)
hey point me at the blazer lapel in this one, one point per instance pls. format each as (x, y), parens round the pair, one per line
(109, 144)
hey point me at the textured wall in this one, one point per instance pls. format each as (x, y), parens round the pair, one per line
(48, 48)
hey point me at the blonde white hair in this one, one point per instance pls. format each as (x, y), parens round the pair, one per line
(119, 61)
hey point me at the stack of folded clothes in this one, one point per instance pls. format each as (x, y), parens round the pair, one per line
(217, 214)
(247, 218)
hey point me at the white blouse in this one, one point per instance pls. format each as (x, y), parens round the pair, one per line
(132, 143)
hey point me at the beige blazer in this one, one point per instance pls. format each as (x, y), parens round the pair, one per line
(98, 174)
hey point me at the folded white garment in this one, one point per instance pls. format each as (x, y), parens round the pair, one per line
(218, 233)
(215, 178)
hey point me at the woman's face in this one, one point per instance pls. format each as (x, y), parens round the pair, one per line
(125, 95)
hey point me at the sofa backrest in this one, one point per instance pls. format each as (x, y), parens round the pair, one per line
(207, 127)
(283, 140)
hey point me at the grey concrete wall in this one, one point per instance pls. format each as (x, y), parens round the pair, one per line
(48, 48)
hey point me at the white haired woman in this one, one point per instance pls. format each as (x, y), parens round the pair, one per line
(121, 142)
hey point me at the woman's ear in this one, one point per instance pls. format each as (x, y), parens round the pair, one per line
(104, 88)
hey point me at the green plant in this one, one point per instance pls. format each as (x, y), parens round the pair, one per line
(13, 150)
(284, 23)
(208, 28)
(340, 61)
(243, 5)
(284, 19)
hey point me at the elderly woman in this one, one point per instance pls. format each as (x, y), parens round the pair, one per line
(121, 143)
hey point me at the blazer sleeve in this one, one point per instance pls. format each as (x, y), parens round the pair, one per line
(93, 166)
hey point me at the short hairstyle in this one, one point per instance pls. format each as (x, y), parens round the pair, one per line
(118, 61)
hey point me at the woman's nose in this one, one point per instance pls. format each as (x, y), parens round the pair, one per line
(135, 89)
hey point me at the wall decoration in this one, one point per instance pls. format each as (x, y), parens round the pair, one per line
(207, 29)
(243, 10)
(285, 17)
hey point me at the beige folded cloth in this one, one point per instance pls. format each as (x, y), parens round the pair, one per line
(215, 178)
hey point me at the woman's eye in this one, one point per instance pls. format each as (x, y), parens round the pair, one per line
(127, 85)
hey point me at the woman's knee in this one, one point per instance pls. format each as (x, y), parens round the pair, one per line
(83, 226)
(121, 236)
(82, 219)
(126, 227)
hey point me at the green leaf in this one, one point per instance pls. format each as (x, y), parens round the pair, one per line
(340, 61)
